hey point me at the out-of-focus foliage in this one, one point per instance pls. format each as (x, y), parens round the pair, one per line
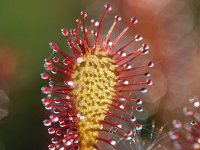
(26, 28)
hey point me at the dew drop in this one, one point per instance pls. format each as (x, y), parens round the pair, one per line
(46, 90)
(113, 142)
(44, 75)
(138, 37)
(69, 143)
(139, 109)
(45, 101)
(138, 127)
(118, 18)
(177, 124)
(145, 46)
(83, 14)
(54, 118)
(149, 82)
(66, 62)
(64, 32)
(96, 24)
(48, 107)
(54, 46)
(147, 74)
(129, 132)
(47, 122)
(51, 130)
(122, 99)
(51, 84)
(126, 82)
(173, 135)
(121, 106)
(187, 111)
(193, 122)
(62, 148)
(54, 140)
(54, 70)
(177, 145)
(150, 64)
(143, 90)
(70, 83)
(196, 104)
(119, 125)
(52, 147)
(139, 101)
(133, 118)
(134, 20)
(123, 54)
(56, 59)
(58, 133)
(73, 32)
(108, 7)
(48, 65)
(127, 66)
(79, 60)
(110, 43)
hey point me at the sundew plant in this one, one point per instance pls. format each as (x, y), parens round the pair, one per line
(90, 95)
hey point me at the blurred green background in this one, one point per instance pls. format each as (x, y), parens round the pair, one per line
(26, 28)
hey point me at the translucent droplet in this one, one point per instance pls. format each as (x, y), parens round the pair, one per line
(83, 14)
(118, 18)
(138, 38)
(45, 101)
(73, 32)
(139, 109)
(52, 147)
(66, 62)
(150, 64)
(47, 122)
(113, 142)
(56, 59)
(149, 82)
(51, 130)
(139, 101)
(54, 46)
(122, 99)
(46, 90)
(54, 70)
(177, 124)
(121, 106)
(196, 104)
(187, 111)
(54, 140)
(54, 118)
(64, 32)
(79, 60)
(44, 76)
(133, 118)
(143, 90)
(147, 74)
(134, 20)
(129, 132)
(119, 125)
(125, 82)
(69, 143)
(138, 127)
(173, 135)
(48, 107)
(108, 7)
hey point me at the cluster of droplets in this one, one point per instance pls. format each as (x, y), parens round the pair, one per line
(60, 101)
(186, 134)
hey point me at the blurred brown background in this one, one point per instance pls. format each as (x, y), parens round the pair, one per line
(171, 27)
